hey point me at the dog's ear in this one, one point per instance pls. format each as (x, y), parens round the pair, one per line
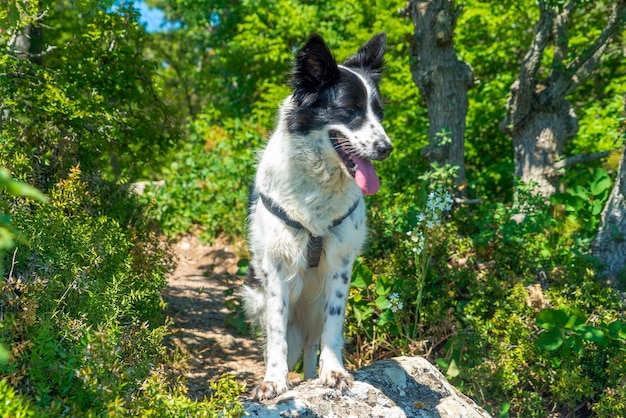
(315, 68)
(370, 56)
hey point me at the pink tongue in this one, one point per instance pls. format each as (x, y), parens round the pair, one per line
(365, 176)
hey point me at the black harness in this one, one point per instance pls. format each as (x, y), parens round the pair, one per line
(315, 245)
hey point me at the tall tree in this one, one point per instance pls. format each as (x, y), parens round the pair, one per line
(443, 81)
(609, 245)
(540, 120)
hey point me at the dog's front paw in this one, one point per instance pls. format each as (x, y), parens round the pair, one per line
(268, 390)
(339, 379)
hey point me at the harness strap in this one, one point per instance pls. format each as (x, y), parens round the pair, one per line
(315, 245)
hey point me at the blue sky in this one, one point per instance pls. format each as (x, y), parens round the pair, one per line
(151, 18)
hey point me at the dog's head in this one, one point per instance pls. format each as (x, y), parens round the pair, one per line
(342, 101)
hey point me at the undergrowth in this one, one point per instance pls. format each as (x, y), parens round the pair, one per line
(502, 298)
(207, 182)
(81, 312)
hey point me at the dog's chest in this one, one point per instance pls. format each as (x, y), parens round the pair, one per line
(315, 245)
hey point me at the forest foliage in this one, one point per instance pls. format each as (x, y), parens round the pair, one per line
(512, 312)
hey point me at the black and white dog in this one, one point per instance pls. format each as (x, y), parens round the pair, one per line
(307, 213)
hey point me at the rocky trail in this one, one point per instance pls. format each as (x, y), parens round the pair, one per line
(195, 297)
(400, 387)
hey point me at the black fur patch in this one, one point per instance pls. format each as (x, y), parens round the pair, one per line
(325, 93)
(251, 278)
(334, 310)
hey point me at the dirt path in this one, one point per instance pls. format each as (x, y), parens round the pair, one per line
(195, 297)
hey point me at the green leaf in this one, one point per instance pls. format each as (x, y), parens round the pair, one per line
(504, 409)
(453, 370)
(580, 192)
(5, 176)
(362, 314)
(596, 207)
(590, 333)
(545, 319)
(573, 202)
(575, 321)
(84, 6)
(14, 15)
(18, 188)
(381, 303)
(576, 344)
(601, 183)
(443, 363)
(361, 275)
(4, 355)
(385, 318)
(357, 316)
(380, 288)
(550, 318)
(358, 282)
(242, 266)
(614, 328)
(550, 340)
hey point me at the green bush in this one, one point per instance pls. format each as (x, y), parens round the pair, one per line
(485, 303)
(83, 317)
(208, 181)
(90, 99)
(15, 405)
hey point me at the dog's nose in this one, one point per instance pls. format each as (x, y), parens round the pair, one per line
(383, 149)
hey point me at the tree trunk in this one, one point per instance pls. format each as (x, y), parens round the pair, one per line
(443, 81)
(538, 143)
(609, 246)
(28, 43)
(539, 118)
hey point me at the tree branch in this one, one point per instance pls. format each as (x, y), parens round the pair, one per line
(526, 81)
(561, 39)
(576, 159)
(582, 66)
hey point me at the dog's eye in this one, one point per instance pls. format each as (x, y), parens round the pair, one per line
(348, 112)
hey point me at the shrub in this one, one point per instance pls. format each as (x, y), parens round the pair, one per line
(480, 305)
(82, 312)
(207, 183)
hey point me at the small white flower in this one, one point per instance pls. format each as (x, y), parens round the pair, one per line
(394, 303)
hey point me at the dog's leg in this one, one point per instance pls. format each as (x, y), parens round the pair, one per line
(295, 340)
(332, 372)
(309, 362)
(276, 296)
(310, 318)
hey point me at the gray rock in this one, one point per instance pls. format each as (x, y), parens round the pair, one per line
(398, 387)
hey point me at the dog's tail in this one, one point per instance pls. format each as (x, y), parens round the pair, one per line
(253, 299)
